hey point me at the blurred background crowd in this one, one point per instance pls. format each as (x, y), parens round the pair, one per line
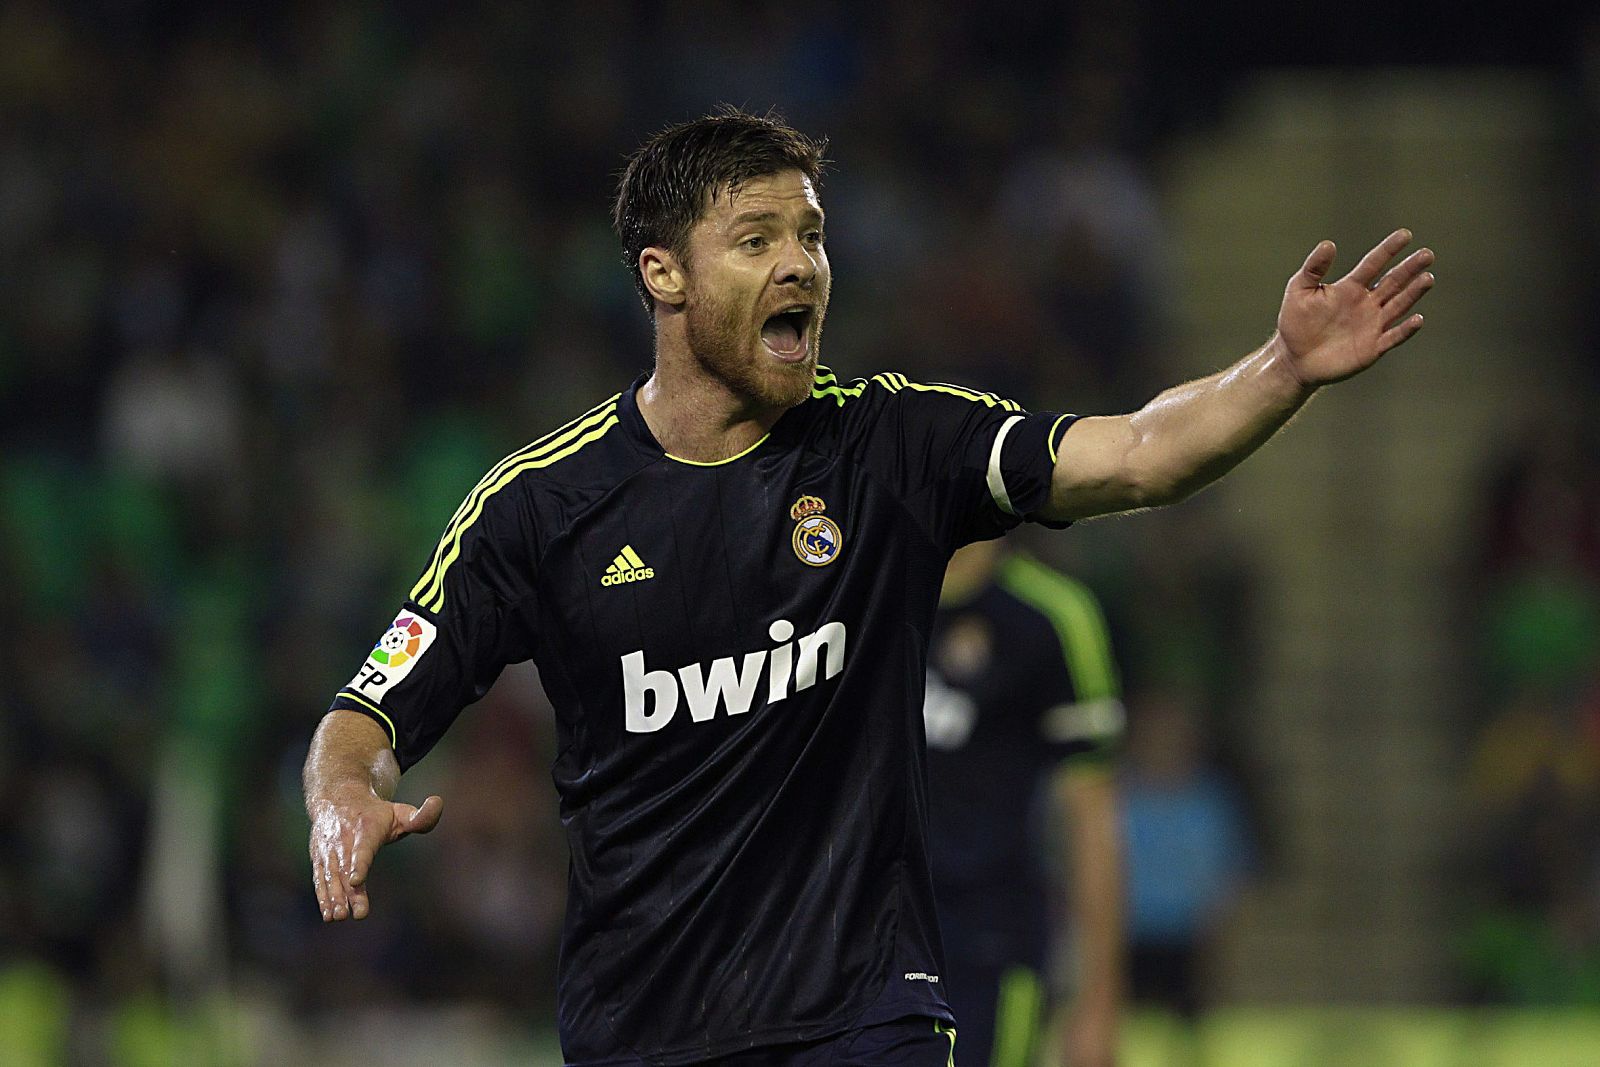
(277, 283)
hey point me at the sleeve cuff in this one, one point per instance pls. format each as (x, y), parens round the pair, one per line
(349, 700)
(1022, 461)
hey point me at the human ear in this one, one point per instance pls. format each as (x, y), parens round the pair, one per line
(663, 275)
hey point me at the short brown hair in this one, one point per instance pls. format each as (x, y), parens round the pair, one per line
(672, 177)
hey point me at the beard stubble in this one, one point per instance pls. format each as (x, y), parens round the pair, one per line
(720, 339)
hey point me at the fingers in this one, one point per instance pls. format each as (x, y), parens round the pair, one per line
(1315, 268)
(340, 881)
(1396, 281)
(346, 840)
(1408, 297)
(341, 851)
(319, 885)
(360, 864)
(427, 816)
(1366, 272)
(1399, 333)
(332, 898)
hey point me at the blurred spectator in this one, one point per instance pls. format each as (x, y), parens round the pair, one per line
(1533, 927)
(1188, 846)
(1535, 776)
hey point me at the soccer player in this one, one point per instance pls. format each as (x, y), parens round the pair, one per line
(1023, 713)
(727, 574)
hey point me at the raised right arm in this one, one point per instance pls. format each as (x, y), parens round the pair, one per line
(350, 776)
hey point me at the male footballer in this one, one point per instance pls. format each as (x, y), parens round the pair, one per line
(727, 574)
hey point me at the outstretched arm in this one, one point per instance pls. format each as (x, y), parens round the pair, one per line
(1194, 433)
(350, 774)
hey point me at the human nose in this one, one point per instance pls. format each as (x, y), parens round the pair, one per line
(797, 266)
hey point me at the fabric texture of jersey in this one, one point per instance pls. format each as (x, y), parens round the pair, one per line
(736, 653)
(1021, 678)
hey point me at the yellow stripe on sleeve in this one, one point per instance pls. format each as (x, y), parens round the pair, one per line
(554, 439)
(433, 597)
(394, 735)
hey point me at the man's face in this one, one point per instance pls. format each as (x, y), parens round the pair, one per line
(757, 288)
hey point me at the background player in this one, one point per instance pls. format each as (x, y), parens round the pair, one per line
(1024, 713)
(746, 877)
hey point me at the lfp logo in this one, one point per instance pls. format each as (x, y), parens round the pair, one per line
(399, 644)
(396, 652)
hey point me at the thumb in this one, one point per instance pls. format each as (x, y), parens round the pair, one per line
(1315, 268)
(409, 820)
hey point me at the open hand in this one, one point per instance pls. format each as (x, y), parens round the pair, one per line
(346, 833)
(1331, 332)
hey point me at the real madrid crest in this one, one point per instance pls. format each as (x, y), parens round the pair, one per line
(817, 539)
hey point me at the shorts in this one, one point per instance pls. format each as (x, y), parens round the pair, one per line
(915, 1041)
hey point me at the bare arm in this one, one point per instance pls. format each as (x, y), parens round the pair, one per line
(1088, 799)
(350, 776)
(1194, 433)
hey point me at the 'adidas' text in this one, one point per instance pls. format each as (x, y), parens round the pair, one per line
(816, 656)
(627, 567)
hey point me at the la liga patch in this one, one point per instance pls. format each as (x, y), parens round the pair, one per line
(396, 652)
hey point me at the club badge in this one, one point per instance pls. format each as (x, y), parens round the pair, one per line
(817, 539)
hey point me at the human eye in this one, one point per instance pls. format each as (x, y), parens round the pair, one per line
(814, 238)
(755, 242)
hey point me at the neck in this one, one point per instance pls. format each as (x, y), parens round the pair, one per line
(696, 416)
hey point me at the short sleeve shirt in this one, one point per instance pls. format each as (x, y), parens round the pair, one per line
(1021, 680)
(736, 654)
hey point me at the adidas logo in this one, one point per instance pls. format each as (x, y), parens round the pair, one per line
(627, 567)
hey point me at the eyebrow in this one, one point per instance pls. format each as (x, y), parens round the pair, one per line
(749, 217)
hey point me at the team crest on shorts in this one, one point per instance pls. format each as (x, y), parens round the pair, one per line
(817, 539)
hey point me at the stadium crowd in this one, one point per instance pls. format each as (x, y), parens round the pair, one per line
(280, 285)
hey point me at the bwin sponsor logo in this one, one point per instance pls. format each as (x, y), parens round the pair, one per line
(729, 682)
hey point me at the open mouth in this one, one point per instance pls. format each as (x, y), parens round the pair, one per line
(787, 334)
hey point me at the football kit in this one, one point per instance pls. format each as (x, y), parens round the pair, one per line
(736, 654)
(1021, 680)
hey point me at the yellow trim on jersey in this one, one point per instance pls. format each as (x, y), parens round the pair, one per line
(826, 385)
(717, 462)
(394, 735)
(941, 1027)
(433, 598)
(974, 395)
(551, 440)
(1050, 438)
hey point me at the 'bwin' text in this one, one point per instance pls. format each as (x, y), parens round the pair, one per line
(730, 682)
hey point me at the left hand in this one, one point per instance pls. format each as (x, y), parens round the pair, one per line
(1330, 332)
(1091, 1034)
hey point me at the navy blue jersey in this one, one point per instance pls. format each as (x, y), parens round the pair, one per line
(1020, 679)
(736, 655)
